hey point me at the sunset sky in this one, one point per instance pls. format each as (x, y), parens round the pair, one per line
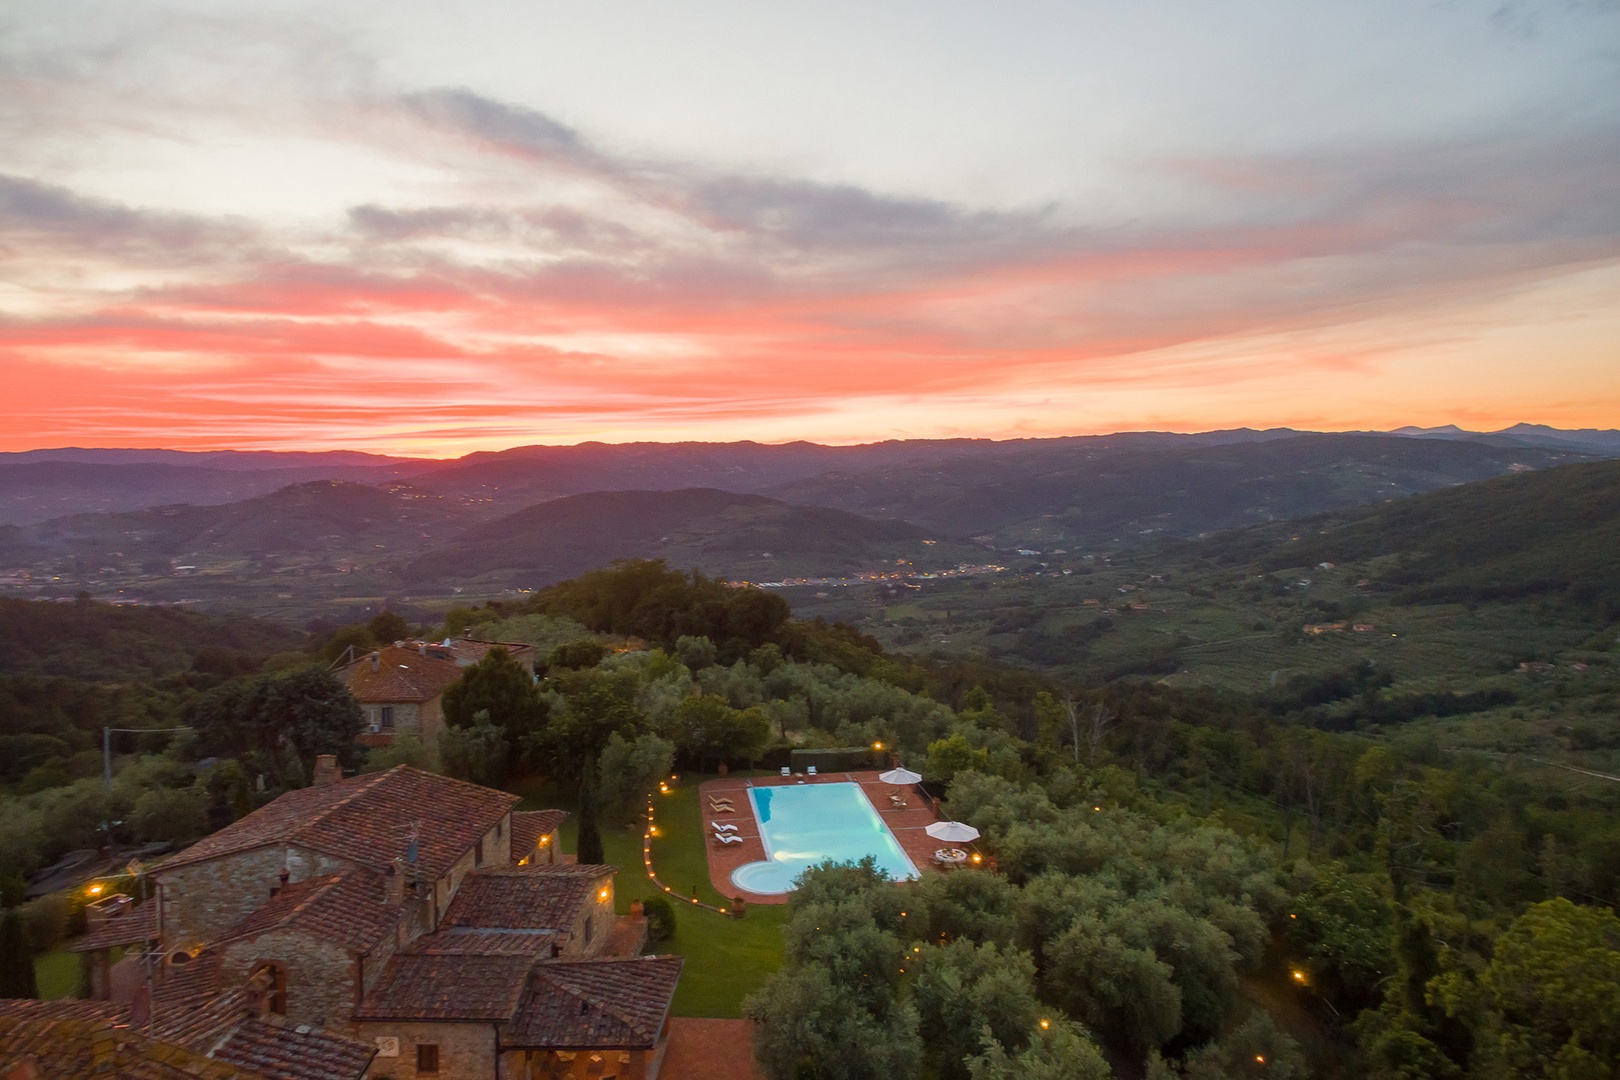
(435, 227)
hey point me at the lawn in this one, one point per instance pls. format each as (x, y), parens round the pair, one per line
(58, 974)
(726, 958)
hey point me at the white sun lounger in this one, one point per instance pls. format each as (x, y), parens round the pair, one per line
(718, 827)
(727, 838)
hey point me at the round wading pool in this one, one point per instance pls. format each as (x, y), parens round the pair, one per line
(766, 878)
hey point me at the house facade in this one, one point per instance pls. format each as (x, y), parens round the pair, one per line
(400, 686)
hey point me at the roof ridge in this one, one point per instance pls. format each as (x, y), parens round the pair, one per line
(359, 788)
(326, 883)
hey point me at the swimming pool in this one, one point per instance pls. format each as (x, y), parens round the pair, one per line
(805, 824)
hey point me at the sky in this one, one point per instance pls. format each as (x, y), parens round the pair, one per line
(436, 227)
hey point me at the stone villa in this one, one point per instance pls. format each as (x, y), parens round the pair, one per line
(399, 686)
(414, 920)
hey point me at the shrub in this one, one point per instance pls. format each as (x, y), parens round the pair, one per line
(660, 918)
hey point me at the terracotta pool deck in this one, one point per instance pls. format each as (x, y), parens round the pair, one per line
(906, 823)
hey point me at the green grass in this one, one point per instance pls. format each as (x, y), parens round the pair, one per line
(58, 974)
(726, 959)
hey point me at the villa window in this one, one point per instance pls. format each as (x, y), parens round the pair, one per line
(385, 717)
(427, 1058)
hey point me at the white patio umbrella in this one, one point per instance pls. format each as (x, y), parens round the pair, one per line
(899, 777)
(952, 832)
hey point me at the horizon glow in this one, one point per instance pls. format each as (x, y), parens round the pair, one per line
(420, 230)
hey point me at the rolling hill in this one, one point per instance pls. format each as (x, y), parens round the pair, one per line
(35, 490)
(1477, 588)
(740, 536)
(1109, 498)
(320, 518)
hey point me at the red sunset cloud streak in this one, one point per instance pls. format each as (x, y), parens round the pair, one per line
(742, 306)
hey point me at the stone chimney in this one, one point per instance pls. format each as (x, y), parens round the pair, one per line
(259, 991)
(326, 770)
(376, 661)
(396, 882)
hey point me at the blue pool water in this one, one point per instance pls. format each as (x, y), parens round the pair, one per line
(805, 824)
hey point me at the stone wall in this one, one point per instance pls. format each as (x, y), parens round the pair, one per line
(320, 975)
(496, 851)
(407, 717)
(466, 1051)
(202, 900)
(593, 926)
(498, 844)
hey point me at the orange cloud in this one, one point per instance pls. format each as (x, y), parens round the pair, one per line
(680, 303)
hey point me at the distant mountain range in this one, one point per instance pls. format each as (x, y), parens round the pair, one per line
(1587, 440)
(38, 485)
(295, 532)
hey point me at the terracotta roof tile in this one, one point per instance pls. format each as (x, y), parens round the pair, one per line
(109, 1012)
(93, 1050)
(204, 1022)
(528, 826)
(348, 909)
(367, 820)
(606, 1003)
(544, 897)
(468, 940)
(135, 927)
(399, 674)
(280, 1048)
(188, 986)
(435, 986)
(229, 1029)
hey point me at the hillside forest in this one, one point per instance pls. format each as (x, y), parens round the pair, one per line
(1183, 881)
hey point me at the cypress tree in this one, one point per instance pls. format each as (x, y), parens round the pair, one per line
(590, 837)
(16, 959)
